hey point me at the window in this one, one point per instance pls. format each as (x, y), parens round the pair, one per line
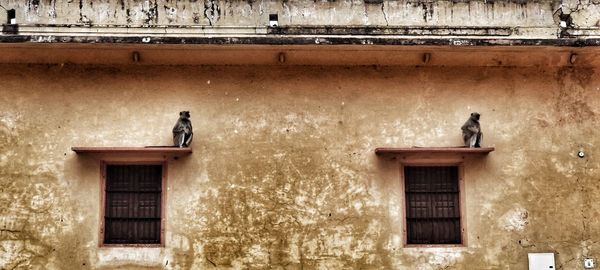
(133, 204)
(432, 195)
(11, 15)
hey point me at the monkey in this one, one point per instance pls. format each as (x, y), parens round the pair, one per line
(182, 131)
(471, 131)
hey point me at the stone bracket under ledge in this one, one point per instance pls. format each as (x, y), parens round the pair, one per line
(139, 152)
(432, 153)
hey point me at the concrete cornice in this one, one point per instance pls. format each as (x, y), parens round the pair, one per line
(300, 45)
(240, 51)
(302, 40)
(303, 35)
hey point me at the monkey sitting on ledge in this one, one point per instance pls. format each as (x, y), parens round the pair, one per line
(471, 131)
(182, 131)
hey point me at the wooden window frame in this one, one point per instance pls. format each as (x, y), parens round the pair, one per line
(461, 197)
(163, 199)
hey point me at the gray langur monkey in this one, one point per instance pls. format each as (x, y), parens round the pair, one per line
(182, 131)
(471, 131)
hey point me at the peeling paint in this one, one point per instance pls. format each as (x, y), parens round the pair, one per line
(515, 219)
(341, 13)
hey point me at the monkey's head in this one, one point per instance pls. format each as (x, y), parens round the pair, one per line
(184, 114)
(475, 116)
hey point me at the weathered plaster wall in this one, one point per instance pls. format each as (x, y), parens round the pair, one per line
(48, 21)
(296, 12)
(252, 13)
(283, 173)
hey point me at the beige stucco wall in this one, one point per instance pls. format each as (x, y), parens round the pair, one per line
(284, 174)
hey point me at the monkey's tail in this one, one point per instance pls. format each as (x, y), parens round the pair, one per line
(414, 146)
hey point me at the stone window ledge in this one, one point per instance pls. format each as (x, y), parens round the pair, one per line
(432, 153)
(145, 151)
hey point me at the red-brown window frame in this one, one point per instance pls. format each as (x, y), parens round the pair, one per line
(163, 200)
(461, 196)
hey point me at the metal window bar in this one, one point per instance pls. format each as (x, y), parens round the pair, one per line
(133, 204)
(432, 205)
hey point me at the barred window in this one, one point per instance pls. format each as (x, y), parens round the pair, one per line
(432, 205)
(133, 196)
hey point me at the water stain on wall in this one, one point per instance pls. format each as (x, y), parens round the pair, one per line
(283, 172)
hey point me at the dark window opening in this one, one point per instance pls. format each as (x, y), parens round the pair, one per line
(132, 213)
(11, 15)
(432, 205)
(273, 20)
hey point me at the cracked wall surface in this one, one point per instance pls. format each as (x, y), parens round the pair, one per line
(502, 18)
(299, 12)
(283, 173)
